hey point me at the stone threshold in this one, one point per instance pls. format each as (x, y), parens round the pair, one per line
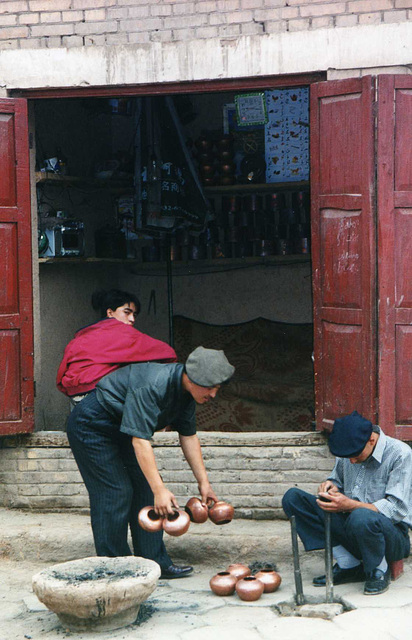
(170, 439)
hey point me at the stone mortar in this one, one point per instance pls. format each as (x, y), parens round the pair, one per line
(97, 594)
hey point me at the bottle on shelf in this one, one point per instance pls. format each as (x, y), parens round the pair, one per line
(257, 228)
(62, 160)
(302, 236)
(183, 240)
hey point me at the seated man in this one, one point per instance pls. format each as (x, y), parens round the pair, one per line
(369, 497)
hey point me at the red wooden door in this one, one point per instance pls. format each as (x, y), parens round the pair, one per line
(343, 248)
(16, 316)
(395, 254)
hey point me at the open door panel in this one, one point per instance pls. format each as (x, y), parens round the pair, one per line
(16, 315)
(343, 248)
(394, 168)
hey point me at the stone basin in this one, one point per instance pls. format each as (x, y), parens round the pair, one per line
(98, 593)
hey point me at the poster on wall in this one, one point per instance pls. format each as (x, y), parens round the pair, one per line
(251, 109)
(287, 135)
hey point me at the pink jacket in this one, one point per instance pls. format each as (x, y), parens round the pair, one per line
(103, 347)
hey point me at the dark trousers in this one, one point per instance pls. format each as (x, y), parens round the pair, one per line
(366, 534)
(116, 484)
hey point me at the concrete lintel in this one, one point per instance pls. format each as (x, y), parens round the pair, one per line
(370, 46)
(170, 439)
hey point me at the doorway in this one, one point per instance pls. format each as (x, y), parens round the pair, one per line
(241, 272)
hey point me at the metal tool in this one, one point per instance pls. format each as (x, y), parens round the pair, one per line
(300, 599)
(328, 560)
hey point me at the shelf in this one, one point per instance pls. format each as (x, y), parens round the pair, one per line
(222, 262)
(43, 177)
(242, 188)
(80, 260)
(127, 183)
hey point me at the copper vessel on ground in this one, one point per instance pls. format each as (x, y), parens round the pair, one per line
(197, 511)
(221, 512)
(249, 588)
(223, 583)
(239, 570)
(149, 520)
(271, 579)
(176, 523)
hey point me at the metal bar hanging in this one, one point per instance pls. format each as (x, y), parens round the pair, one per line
(328, 560)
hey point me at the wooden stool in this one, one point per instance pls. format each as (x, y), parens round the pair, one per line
(396, 568)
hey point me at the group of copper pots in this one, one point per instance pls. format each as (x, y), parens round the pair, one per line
(239, 578)
(215, 158)
(178, 522)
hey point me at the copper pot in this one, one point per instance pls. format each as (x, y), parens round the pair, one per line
(238, 570)
(176, 523)
(227, 168)
(249, 588)
(225, 142)
(208, 182)
(207, 170)
(196, 510)
(271, 579)
(221, 512)
(223, 584)
(149, 520)
(204, 144)
(225, 155)
(225, 180)
(205, 157)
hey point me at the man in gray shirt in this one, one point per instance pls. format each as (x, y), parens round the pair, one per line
(109, 432)
(369, 497)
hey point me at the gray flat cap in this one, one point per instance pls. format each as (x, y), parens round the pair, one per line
(208, 367)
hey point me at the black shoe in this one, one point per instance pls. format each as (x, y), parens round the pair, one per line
(174, 571)
(377, 582)
(341, 576)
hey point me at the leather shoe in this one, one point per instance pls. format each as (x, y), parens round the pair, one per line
(377, 582)
(174, 571)
(341, 576)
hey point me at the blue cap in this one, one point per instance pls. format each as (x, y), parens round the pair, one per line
(350, 435)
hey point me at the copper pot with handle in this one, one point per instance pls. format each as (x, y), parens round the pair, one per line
(197, 511)
(176, 523)
(220, 512)
(149, 520)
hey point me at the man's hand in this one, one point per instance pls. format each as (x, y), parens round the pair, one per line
(336, 502)
(327, 486)
(207, 493)
(164, 501)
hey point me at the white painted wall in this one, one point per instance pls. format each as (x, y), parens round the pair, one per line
(360, 47)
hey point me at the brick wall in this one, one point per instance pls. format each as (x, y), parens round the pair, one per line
(251, 471)
(39, 24)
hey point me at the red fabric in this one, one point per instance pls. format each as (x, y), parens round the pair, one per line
(103, 347)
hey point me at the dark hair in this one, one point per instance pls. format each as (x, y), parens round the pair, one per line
(112, 299)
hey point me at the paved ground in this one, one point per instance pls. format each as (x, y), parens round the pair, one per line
(186, 609)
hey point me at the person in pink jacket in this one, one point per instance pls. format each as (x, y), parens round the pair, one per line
(103, 347)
